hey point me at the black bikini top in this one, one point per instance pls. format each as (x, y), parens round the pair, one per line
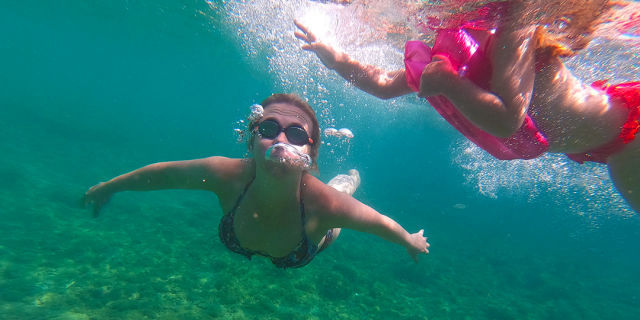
(304, 252)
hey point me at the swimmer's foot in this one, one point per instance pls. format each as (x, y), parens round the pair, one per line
(355, 175)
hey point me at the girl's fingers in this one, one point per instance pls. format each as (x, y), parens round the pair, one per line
(301, 36)
(300, 26)
(309, 37)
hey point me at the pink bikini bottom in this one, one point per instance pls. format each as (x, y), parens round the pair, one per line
(629, 94)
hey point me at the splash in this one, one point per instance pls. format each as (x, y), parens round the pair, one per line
(350, 28)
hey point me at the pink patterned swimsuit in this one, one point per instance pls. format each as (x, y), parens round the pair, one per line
(470, 59)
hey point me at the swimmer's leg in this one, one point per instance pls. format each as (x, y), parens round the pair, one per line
(343, 183)
(346, 183)
(623, 169)
(329, 238)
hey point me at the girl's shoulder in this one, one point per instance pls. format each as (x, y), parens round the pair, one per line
(230, 171)
(319, 197)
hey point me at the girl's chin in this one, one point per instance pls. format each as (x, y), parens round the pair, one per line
(285, 165)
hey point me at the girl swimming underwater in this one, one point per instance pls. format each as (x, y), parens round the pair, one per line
(274, 207)
(500, 80)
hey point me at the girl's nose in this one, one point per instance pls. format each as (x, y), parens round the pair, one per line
(281, 137)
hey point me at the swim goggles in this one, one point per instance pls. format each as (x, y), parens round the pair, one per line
(270, 129)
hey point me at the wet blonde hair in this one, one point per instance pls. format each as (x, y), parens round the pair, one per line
(563, 26)
(569, 25)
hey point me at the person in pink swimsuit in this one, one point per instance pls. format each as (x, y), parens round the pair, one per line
(481, 79)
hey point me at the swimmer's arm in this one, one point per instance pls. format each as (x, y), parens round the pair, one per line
(485, 109)
(501, 109)
(188, 174)
(371, 79)
(204, 174)
(350, 213)
(513, 74)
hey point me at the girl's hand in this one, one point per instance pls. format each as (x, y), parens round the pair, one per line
(97, 196)
(417, 244)
(437, 77)
(326, 53)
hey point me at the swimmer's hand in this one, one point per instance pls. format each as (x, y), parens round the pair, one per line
(96, 197)
(417, 244)
(438, 77)
(326, 53)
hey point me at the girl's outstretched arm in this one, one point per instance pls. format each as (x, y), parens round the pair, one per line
(343, 211)
(368, 78)
(204, 174)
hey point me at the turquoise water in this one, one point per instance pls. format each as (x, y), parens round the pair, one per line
(90, 91)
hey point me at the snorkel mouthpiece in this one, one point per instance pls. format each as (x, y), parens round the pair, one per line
(288, 154)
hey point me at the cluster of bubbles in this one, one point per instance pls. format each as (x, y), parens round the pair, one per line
(241, 128)
(288, 154)
(271, 46)
(584, 189)
(343, 133)
(240, 131)
(344, 137)
(257, 111)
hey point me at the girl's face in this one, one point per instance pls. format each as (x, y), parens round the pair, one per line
(285, 123)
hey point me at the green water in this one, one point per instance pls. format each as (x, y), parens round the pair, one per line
(90, 90)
